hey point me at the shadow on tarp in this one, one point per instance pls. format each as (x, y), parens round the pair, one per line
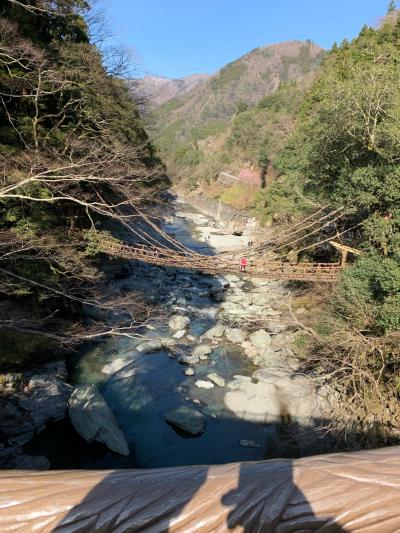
(246, 497)
(360, 490)
(326, 493)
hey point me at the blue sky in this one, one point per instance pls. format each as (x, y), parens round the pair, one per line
(175, 38)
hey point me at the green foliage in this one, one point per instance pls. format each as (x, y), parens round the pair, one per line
(214, 127)
(186, 155)
(347, 145)
(94, 240)
(22, 349)
(287, 98)
(60, 21)
(241, 106)
(282, 201)
(259, 133)
(303, 60)
(206, 110)
(373, 285)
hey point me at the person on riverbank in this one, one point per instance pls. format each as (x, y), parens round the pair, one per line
(243, 264)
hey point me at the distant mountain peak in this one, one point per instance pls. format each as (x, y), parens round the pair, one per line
(160, 89)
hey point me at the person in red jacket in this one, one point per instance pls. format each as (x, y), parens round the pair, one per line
(243, 264)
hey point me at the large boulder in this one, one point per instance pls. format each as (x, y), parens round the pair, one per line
(149, 346)
(215, 332)
(215, 378)
(299, 395)
(15, 423)
(186, 419)
(277, 393)
(178, 322)
(94, 420)
(235, 335)
(255, 402)
(48, 395)
(260, 339)
(202, 350)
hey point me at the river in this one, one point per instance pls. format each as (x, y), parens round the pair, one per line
(156, 382)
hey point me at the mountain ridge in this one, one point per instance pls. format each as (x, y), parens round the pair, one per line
(193, 127)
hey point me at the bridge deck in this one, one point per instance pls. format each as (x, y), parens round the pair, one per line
(217, 265)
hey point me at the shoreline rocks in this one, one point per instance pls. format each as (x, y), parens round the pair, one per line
(40, 398)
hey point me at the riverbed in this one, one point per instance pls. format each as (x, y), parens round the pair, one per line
(140, 388)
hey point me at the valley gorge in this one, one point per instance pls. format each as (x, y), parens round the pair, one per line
(199, 283)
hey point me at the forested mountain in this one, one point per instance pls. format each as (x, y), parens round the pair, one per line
(191, 130)
(74, 154)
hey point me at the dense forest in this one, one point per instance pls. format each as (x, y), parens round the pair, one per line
(74, 155)
(345, 152)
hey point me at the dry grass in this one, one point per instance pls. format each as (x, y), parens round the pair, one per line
(361, 367)
(240, 195)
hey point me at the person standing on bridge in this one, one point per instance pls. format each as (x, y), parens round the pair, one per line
(243, 264)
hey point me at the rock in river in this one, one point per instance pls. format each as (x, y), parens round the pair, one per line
(215, 378)
(203, 384)
(202, 350)
(216, 331)
(249, 443)
(94, 420)
(114, 366)
(150, 346)
(178, 322)
(179, 334)
(255, 402)
(189, 359)
(189, 420)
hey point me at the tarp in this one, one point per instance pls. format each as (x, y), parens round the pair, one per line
(357, 492)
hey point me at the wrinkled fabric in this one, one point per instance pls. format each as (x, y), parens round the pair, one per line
(357, 492)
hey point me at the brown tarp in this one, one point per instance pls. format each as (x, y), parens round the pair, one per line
(337, 492)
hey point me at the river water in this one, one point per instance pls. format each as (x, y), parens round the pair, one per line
(158, 384)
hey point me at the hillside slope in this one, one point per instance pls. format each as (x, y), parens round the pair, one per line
(246, 80)
(222, 123)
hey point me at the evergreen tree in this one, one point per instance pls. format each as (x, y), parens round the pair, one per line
(391, 6)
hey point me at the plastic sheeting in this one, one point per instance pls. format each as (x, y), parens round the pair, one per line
(357, 492)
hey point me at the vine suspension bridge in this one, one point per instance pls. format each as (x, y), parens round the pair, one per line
(218, 265)
(178, 256)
